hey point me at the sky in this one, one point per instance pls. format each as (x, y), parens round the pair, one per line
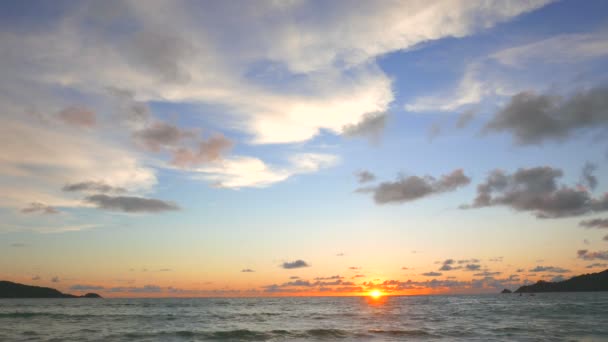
(270, 148)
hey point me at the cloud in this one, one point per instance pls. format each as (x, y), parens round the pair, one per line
(466, 117)
(605, 238)
(596, 265)
(411, 188)
(551, 269)
(18, 245)
(77, 116)
(36, 278)
(486, 273)
(371, 126)
(587, 176)
(564, 48)
(55, 279)
(241, 172)
(79, 287)
(448, 265)
(432, 274)
(37, 207)
(533, 118)
(472, 267)
(92, 186)
(536, 190)
(130, 204)
(295, 264)
(207, 151)
(586, 255)
(159, 135)
(365, 176)
(594, 223)
(247, 270)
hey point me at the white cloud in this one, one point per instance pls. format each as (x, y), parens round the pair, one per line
(565, 48)
(241, 172)
(328, 53)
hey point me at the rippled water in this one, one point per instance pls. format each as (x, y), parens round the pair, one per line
(543, 317)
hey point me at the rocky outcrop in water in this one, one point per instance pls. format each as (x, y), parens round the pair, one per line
(583, 283)
(9, 289)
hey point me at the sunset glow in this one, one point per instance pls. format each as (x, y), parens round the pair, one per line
(302, 148)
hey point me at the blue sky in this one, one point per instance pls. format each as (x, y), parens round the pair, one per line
(206, 138)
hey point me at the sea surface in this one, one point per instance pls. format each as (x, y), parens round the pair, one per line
(509, 317)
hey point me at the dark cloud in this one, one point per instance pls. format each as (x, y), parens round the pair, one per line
(532, 118)
(594, 223)
(466, 117)
(208, 151)
(93, 186)
(130, 204)
(354, 268)
(37, 207)
(294, 277)
(160, 135)
(365, 176)
(86, 288)
(35, 278)
(519, 270)
(432, 274)
(247, 270)
(496, 259)
(371, 127)
(551, 269)
(587, 176)
(536, 190)
(468, 261)
(77, 116)
(55, 279)
(596, 265)
(134, 112)
(586, 255)
(448, 265)
(411, 188)
(294, 264)
(329, 278)
(472, 267)
(358, 276)
(486, 273)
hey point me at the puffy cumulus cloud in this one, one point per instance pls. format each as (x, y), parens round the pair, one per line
(294, 264)
(371, 126)
(130, 204)
(594, 223)
(241, 172)
(77, 116)
(536, 190)
(533, 118)
(37, 207)
(365, 176)
(92, 186)
(550, 269)
(411, 188)
(448, 265)
(587, 255)
(322, 55)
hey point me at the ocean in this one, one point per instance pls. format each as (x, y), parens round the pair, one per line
(509, 317)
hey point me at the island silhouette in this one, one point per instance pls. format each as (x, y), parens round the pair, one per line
(10, 289)
(590, 282)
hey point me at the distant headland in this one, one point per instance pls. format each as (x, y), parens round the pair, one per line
(9, 289)
(583, 283)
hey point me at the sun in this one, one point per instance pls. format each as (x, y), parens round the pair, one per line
(375, 294)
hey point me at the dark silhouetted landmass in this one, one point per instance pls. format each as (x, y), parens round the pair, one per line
(9, 289)
(506, 291)
(583, 283)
